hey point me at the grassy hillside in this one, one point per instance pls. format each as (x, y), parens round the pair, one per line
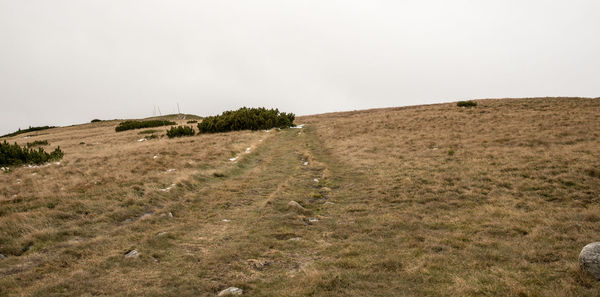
(430, 200)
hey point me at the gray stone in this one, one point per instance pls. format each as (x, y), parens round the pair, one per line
(589, 259)
(296, 206)
(132, 254)
(2, 256)
(231, 291)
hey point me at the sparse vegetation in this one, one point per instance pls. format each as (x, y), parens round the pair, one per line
(130, 125)
(246, 119)
(96, 121)
(37, 143)
(151, 131)
(30, 129)
(13, 154)
(180, 131)
(389, 214)
(466, 103)
(192, 122)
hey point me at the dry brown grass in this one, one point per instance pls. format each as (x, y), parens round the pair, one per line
(428, 200)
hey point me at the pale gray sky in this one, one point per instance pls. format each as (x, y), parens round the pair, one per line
(68, 61)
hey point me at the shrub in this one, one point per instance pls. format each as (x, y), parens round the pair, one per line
(246, 119)
(466, 103)
(150, 131)
(13, 154)
(180, 131)
(96, 121)
(30, 129)
(37, 143)
(192, 122)
(130, 125)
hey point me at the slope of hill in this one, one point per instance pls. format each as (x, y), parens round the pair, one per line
(427, 200)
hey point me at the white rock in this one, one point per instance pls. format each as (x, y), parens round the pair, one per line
(168, 188)
(589, 259)
(316, 180)
(132, 254)
(233, 159)
(225, 220)
(231, 291)
(313, 220)
(305, 163)
(170, 214)
(141, 139)
(298, 126)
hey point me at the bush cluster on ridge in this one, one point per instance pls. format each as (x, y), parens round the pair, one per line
(246, 119)
(180, 131)
(13, 154)
(130, 125)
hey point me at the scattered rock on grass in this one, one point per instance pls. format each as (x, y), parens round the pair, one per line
(132, 254)
(325, 190)
(2, 256)
(296, 206)
(231, 291)
(589, 259)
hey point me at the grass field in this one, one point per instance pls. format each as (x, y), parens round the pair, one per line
(436, 200)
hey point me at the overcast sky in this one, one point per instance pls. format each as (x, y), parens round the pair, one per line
(65, 62)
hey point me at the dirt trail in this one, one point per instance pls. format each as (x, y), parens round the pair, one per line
(230, 229)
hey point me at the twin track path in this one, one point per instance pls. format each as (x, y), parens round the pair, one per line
(232, 229)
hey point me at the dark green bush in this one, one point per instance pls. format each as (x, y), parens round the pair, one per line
(180, 131)
(150, 131)
(466, 103)
(37, 143)
(246, 119)
(129, 125)
(30, 129)
(192, 122)
(96, 120)
(13, 154)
